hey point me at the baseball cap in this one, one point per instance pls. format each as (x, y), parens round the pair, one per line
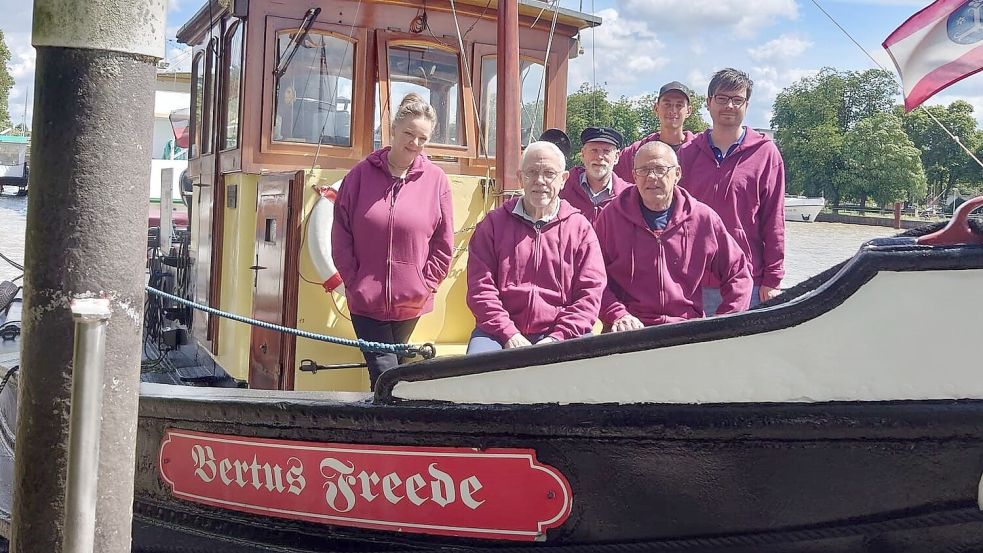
(675, 86)
(602, 134)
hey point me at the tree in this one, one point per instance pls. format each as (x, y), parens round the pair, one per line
(632, 117)
(947, 166)
(882, 163)
(812, 117)
(6, 83)
(586, 108)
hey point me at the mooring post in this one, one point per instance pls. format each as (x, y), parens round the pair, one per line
(897, 215)
(86, 236)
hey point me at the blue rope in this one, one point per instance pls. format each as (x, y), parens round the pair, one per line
(405, 350)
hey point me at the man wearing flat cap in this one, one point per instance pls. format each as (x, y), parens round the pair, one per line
(593, 185)
(672, 107)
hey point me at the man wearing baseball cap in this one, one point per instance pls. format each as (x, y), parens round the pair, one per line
(672, 107)
(592, 185)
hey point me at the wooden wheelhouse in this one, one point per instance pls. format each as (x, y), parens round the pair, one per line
(287, 96)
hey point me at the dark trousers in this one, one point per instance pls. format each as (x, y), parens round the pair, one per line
(387, 332)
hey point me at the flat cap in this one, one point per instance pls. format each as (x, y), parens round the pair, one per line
(602, 134)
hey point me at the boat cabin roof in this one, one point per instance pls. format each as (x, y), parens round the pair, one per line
(280, 86)
(213, 9)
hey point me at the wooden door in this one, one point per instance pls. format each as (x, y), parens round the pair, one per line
(275, 274)
(207, 259)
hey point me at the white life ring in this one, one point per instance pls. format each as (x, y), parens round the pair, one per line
(319, 238)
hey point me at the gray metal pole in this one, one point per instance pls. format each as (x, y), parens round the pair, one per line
(166, 208)
(91, 316)
(86, 236)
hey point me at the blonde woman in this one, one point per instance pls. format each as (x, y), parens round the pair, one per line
(393, 234)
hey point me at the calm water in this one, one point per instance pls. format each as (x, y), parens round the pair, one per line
(13, 214)
(810, 247)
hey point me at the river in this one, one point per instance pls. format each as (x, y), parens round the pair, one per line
(810, 247)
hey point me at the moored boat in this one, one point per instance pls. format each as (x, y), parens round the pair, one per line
(14, 166)
(802, 208)
(742, 432)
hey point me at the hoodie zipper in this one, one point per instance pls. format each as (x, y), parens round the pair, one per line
(389, 258)
(660, 269)
(538, 227)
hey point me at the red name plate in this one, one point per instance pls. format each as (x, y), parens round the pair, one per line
(493, 493)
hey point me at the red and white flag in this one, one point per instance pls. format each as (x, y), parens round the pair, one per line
(936, 47)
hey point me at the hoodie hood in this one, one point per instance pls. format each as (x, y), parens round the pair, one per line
(380, 160)
(629, 204)
(752, 141)
(565, 211)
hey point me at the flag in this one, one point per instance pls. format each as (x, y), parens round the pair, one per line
(936, 47)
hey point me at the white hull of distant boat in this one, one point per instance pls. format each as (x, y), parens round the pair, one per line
(800, 208)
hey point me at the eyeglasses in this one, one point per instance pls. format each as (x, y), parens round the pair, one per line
(722, 100)
(657, 171)
(550, 176)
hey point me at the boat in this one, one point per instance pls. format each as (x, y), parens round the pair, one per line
(14, 163)
(802, 208)
(747, 432)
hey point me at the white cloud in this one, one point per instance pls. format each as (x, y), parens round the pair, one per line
(21, 65)
(779, 49)
(683, 17)
(621, 52)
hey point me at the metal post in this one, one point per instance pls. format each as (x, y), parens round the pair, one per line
(166, 208)
(91, 316)
(86, 237)
(508, 101)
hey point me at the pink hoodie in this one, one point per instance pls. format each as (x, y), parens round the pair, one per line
(747, 190)
(392, 238)
(573, 192)
(626, 163)
(656, 275)
(546, 281)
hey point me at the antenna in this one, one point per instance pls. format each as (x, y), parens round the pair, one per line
(26, 96)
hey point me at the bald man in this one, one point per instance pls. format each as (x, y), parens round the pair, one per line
(659, 243)
(535, 271)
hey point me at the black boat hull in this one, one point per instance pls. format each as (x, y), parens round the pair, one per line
(891, 476)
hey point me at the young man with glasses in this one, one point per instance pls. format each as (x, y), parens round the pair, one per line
(660, 244)
(740, 174)
(672, 107)
(592, 185)
(535, 271)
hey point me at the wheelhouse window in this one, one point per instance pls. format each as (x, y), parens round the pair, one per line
(435, 75)
(208, 113)
(532, 89)
(233, 78)
(313, 83)
(199, 95)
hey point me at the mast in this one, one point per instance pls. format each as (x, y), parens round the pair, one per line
(85, 237)
(508, 100)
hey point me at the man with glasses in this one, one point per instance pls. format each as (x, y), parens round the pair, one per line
(535, 271)
(593, 185)
(672, 107)
(740, 173)
(660, 244)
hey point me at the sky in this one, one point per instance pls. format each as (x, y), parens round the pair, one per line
(642, 44)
